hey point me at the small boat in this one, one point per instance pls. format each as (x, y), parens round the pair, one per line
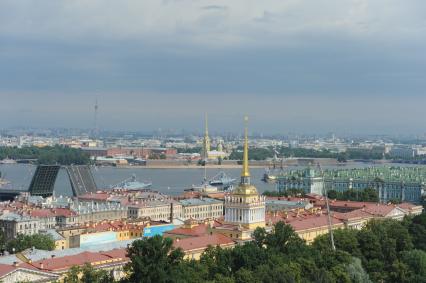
(7, 161)
(132, 184)
(204, 188)
(268, 177)
(222, 180)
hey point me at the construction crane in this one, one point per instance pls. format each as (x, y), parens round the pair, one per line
(330, 224)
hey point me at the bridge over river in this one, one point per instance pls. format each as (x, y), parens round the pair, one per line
(43, 181)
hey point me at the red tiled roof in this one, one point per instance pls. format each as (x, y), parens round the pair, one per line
(6, 268)
(302, 221)
(64, 212)
(358, 213)
(407, 205)
(195, 243)
(295, 199)
(348, 203)
(198, 230)
(42, 213)
(116, 253)
(96, 196)
(379, 209)
(61, 263)
(314, 196)
(313, 222)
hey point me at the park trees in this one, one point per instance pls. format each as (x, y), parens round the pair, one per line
(37, 241)
(87, 274)
(383, 251)
(152, 260)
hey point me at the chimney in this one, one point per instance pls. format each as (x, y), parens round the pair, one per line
(41, 265)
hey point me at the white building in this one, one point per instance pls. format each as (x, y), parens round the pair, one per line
(13, 224)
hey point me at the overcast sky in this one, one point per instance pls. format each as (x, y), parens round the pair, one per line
(292, 66)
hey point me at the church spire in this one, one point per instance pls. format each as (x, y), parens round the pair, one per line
(206, 140)
(245, 174)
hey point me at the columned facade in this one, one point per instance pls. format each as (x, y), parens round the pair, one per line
(244, 207)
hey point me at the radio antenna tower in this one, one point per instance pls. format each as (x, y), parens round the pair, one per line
(96, 130)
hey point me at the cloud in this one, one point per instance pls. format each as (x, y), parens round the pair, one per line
(233, 54)
(240, 21)
(214, 7)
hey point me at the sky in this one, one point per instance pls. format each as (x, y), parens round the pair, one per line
(320, 66)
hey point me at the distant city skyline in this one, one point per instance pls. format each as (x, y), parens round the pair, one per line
(353, 67)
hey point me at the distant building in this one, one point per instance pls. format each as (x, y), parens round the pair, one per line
(201, 208)
(157, 210)
(95, 151)
(390, 183)
(157, 206)
(284, 204)
(141, 152)
(307, 180)
(402, 152)
(206, 152)
(13, 224)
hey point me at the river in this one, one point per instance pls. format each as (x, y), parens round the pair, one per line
(168, 181)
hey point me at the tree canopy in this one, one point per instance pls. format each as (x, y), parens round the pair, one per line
(383, 251)
(23, 242)
(368, 194)
(284, 151)
(47, 155)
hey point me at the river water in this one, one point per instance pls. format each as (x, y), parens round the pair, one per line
(168, 181)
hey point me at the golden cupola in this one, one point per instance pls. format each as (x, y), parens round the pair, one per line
(245, 187)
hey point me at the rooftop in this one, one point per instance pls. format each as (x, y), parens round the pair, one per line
(195, 243)
(64, 263)
(199, 201)
(382, 173)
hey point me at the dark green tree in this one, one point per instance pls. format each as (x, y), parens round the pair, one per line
(282, 238)
(332, 194)
(356, 272)
(23, 242)
(416, 261)
(344, 239)
(87, 274)
(417, 229)
(259, 236)
(244, 275)
(152, 260)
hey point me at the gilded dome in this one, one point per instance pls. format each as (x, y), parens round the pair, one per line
(245, 189)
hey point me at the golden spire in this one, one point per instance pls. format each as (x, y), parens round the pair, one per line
(206, 140)
(245, 172)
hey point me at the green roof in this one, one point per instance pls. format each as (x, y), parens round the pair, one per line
(413, 174)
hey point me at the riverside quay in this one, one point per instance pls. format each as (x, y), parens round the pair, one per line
(391, 183)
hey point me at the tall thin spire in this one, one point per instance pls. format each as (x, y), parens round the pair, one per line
(245, 174)
(96, 130)
(206, 141)
(206, 148)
